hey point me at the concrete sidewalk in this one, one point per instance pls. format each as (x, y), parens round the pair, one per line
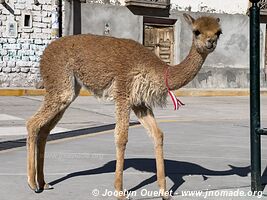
(206, 149)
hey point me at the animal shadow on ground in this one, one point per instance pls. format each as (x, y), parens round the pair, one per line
(175, 170)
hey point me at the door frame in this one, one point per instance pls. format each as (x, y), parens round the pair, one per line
(161, 22)
(157, 21)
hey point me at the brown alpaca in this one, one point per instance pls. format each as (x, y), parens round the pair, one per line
(118, 69)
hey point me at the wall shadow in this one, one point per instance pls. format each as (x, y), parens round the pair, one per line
(175, 170)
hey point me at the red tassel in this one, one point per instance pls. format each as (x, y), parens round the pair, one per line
(176, 102)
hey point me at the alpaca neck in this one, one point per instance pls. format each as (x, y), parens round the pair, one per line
(181, 74)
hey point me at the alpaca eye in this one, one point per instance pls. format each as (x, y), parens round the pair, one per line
(218, 33)
(196, 32)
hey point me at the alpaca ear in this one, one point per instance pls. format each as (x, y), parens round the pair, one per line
(190, 20)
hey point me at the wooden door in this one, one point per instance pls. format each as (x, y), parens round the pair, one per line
(160, 41)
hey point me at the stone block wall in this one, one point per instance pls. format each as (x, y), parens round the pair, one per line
(20, 53)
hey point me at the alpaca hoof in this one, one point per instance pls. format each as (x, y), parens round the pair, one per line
(35, 189)
(48, 187)
(124, 198)
(167, 198)
(38, 190)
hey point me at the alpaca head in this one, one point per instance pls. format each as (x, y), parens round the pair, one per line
(206, 32)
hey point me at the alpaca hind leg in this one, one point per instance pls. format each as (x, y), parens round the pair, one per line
(121, 139)
(41, 142)
(38, 129)
(146, 118)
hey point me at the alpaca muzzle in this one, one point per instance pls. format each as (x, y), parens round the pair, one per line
(210, 44)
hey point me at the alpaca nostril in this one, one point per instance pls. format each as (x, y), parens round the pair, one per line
(210, 41)
(209, 45)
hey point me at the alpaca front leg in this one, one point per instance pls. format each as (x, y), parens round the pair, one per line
(158, 145)
(146, 118)
(121, 139)
(120, 151)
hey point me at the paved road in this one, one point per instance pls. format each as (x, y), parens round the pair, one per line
(206, 149)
